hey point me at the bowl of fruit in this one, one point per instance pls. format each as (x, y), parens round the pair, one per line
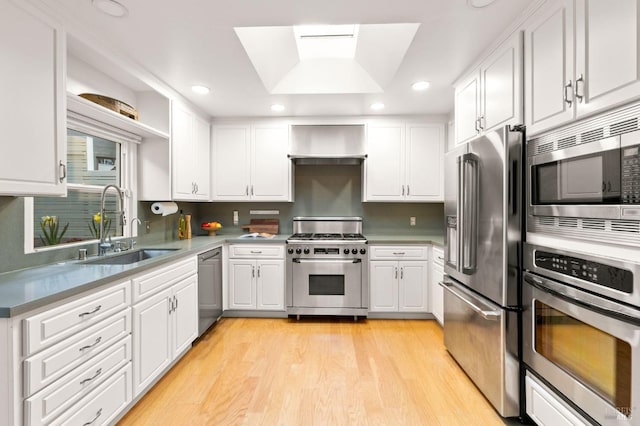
(211, 227)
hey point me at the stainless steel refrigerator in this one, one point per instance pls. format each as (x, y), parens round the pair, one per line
(482, 260)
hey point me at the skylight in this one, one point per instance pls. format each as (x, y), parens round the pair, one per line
(326, 41)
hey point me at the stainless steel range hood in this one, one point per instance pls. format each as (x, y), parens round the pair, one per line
(328, 144)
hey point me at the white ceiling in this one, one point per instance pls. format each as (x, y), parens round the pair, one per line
(193, 42)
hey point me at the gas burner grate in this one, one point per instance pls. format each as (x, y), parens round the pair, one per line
(327, 236)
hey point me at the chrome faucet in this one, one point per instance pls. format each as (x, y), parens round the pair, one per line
(103, 246)
(132, 241)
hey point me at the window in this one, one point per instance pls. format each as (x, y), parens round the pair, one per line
(96, 157)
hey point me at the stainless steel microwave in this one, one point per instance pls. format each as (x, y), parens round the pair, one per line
(599, 179)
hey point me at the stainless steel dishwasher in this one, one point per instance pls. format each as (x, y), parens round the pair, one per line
(209, 289)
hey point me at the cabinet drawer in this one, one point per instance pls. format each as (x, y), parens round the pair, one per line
(47, 366)
(398, 253)
(56, 399)
(256, 251)
(547, 409)
(158, 279)
(103, 404)
(438, 256)
(53, 325)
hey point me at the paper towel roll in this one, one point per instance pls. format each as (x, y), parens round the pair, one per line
(164, 208)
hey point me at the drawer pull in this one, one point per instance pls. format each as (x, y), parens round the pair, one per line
(441, 258)
(98, 372)
(398, 253)
(96, 309)
(91, 345)
(256, 251)
(98, 414)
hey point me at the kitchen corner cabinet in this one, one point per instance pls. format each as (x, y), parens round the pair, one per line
(33, 111)
(190, 154)
(405, 162)
(398, 279)
(607, 63)
(436, 292)
(256, 277)
(165, 320)
(250, 163)
(491, 95)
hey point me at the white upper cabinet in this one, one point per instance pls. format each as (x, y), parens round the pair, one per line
(404, 162)
(250, 163)
(33, 111)
(491, 95)
(190, 155)
(603, 71)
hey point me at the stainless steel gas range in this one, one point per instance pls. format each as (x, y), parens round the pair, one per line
(327, 267)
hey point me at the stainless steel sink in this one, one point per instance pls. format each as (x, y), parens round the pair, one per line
(130, 256)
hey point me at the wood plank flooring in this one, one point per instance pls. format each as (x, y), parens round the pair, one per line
(316, 371)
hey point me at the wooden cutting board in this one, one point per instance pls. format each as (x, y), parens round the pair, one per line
(270, 226)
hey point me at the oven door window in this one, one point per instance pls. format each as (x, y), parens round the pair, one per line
(594, 357)
(587, 179)
(326, 285)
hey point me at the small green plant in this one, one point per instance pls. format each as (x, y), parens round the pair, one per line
(51, 230)
(94, 225)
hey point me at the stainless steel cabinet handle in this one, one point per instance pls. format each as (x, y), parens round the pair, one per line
(63, 171)
(488, 315)
(98, 372)
(253, 271)
(175, 298)
(477, 125)
(258, 272)
(256, 251)
(246, 190)
(398, 253)
(98, 340)
(579, 96)
(98, 414)
(96, 309)
(401, 273)
(441, 258)
(483, 122)
(396, 269)
(252, 190)
(407, 190)
(568, 86)
(403, 190)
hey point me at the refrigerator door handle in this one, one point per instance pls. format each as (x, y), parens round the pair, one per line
(469, 210)
(460, 214)
(490, 315)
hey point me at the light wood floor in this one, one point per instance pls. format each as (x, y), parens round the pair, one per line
(320, 371)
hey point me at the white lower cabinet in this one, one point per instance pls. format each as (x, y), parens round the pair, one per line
(398, 285)
(545, 408)
(436, 292)
(256, 277)
(164, 325)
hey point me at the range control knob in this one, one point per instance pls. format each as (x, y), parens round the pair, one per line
(362, 251)
(354, 251)
(298, 251)
(306, 251)
(346, 251)
(290, 251)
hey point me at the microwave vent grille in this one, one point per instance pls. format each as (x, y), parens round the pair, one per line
(567, 142)
(618, 232)
(591, 129)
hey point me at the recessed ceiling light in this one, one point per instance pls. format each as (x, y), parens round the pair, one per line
(277, 107)
(420, 85)
(201, 90)
(479, 3)
(110, 7)
(377, 106)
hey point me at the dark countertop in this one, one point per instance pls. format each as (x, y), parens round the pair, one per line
(28, 289)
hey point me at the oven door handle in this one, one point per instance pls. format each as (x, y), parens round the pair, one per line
(296, 260)
(491, 315)
(584, 299)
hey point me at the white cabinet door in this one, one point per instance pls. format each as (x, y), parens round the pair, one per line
(436, 296)
(425, 162)
(549, 68)
(151, 339)
(242, 284)
(501, 85)
(467, 108)
(383, 286)
(385, 162)
(413, 287)
(182, 153)
(33, 111)
(185, 314)
(270, 285)
(270, 166)
(607, 56)
(201, 158)
(231, 163)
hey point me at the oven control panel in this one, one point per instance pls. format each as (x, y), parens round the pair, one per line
(631, 175)
(598, 273)
(326, 251)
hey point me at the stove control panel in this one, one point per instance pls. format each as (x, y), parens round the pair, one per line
(328, 251)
